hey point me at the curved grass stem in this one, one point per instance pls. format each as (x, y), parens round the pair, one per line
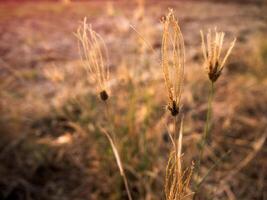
(112, 141)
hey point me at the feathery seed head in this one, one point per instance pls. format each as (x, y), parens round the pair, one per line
(94, 56)
(212, 49)
(173, 59)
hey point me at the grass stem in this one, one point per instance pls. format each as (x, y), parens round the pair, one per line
(206, 135)
(112, 140)
(209, 115)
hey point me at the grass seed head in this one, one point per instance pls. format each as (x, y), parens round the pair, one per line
(94, 55)
(212, 48)
(173, 60)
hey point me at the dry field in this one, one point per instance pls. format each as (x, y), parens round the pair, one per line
(52, 145)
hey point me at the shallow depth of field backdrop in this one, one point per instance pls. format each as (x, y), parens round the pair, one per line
(51, 147)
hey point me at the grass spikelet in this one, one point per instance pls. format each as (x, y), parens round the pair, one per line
(177, 180)
(212, 48)
(94, 55)
(173, 59)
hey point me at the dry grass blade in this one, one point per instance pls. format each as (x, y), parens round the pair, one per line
(118, 161)
(173, 61)
(212, 48)
(177, 180)
(115, 151)
(94, 55)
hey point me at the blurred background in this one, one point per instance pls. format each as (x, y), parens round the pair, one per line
(50, 144)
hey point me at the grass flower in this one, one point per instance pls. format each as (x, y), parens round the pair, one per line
(212, 49)
(173, 59)
(94, 55)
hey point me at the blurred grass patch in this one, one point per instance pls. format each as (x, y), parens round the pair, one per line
(263, 49)
(33, 9)
(251, 61)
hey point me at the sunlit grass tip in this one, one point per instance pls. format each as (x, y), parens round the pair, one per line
(212, 48)
(173, 61)
(94, 56)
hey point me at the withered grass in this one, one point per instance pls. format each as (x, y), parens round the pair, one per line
(94, 56)
(212, 48)
(177, 180)
(173, 61)
(214, 63)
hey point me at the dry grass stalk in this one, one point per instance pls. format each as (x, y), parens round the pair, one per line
(212, 49)
(173, 60)
(94, 55)
(177, 180)
(214, 65)
(92, 47)
(119, 163)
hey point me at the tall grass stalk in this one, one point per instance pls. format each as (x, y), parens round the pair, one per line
(213, 63)
(212, 46)
(177, 179)
(209, 115)
(94, 55)
(112, 140)
(173, 60)
(119, 163)
(208, 123)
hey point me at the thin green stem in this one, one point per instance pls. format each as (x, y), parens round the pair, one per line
(206, 134)
(209, 115)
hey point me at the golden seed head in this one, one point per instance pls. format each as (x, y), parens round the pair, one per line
(173, 59)
(212, 48)
(94, 55)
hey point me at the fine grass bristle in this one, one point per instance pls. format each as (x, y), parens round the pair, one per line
(173, 59)
(94, 55)
(212, 49)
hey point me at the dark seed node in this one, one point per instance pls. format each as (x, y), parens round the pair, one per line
(103, 95)
(173, 109)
